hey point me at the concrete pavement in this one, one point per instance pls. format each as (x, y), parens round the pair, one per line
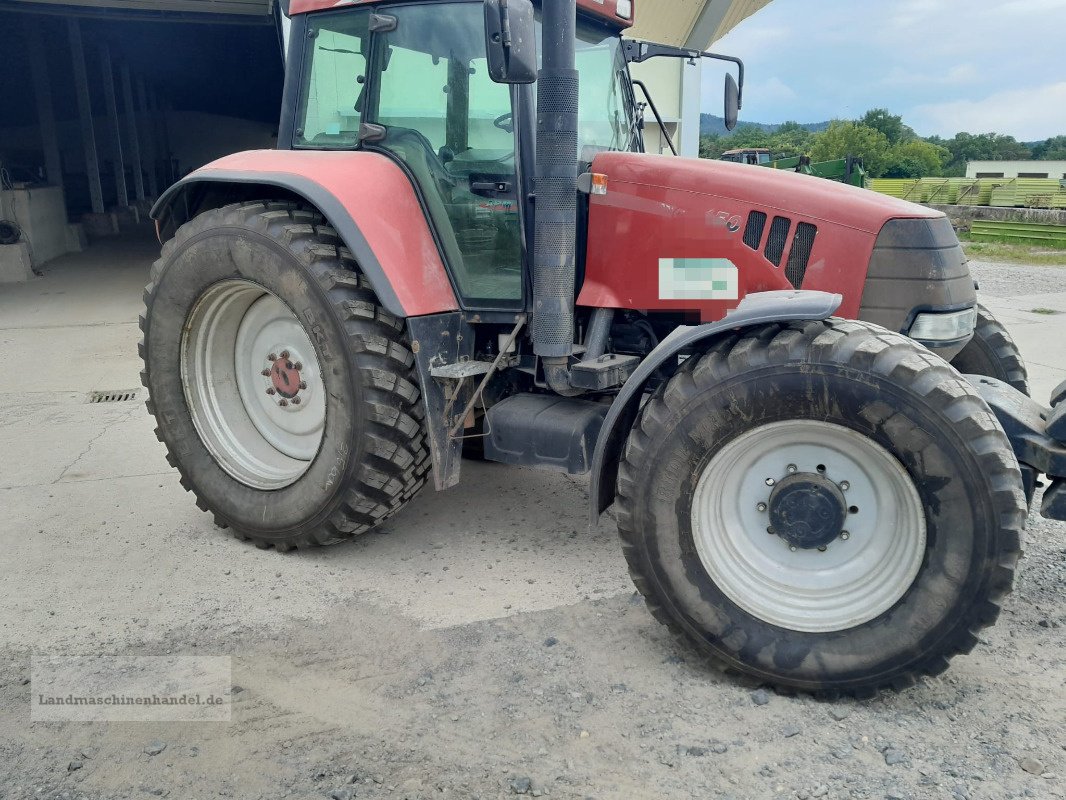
(484, 633)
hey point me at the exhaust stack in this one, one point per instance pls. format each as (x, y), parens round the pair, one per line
(554, 239)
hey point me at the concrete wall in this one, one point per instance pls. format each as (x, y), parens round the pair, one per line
(42, 215)
(662, 76)
(1010, 169)
(962, 216)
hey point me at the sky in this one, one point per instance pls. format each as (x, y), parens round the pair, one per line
(944, 65)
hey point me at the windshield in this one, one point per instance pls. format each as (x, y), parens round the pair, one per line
(335, 88)
(605, 100)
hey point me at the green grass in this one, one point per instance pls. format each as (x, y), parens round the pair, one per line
(1004, 250)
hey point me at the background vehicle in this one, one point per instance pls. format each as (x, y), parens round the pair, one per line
(816, 501)
(846, 170)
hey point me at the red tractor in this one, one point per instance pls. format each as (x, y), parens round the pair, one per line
(438, 256)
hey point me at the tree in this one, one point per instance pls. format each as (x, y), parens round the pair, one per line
(889, 124)
(965, 147)
(842, 139)
(790, 139)
(1053, 149)
(915, 159)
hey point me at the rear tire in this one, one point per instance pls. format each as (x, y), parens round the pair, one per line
(930, 554)
(992, 352)
(287, 450)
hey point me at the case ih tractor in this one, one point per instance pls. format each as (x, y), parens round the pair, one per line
(451, 246)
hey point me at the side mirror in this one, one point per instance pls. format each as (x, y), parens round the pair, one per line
(510, 41)
(732, 102)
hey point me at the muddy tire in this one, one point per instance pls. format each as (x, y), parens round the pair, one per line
(285, 394)
(992, 352)
(822, 506)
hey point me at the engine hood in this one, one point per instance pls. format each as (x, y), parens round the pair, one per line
(816, 198)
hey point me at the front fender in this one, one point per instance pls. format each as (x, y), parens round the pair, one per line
(366, 197)
(755, 309)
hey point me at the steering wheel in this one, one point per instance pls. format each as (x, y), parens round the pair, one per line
(505, 122)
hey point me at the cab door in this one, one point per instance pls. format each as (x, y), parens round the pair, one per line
(452, 128)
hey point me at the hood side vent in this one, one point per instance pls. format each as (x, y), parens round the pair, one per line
(753, 230)
(775, 242)
(800, 254)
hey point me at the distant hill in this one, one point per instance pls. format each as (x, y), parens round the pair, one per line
(711, 124)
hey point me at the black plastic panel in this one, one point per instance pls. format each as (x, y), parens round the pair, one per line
(775, 242)
(753, 230)
(543, 430)
(800, 254)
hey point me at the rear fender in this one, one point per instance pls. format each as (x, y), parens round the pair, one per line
(366, 197)
(755, 309)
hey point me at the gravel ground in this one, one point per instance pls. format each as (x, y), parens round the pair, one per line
(591, 700)
(1010, 280)
(485, 645)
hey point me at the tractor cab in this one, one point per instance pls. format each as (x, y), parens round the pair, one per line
(413, 81)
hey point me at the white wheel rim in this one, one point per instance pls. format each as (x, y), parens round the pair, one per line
(859, 575)
(253, 384)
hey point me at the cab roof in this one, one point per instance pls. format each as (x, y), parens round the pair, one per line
(605, 11)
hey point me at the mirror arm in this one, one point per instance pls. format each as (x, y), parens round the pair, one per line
(637, 51)
(505, 26)
(655, 112)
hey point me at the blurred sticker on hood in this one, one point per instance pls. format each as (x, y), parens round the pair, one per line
(698, 279)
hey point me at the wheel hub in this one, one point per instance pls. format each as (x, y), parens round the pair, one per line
(807, 510)
(284, 374)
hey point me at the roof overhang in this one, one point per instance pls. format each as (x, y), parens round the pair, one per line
(690, 23)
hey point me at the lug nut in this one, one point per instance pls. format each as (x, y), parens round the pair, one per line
(296, 401)
(284, 353)
(771, 531)
(770, 481)
(265, 373)
(792, 547)
(821, 549)
(272, 357)
(792, 469)
(299, 366)
(283, 402)
(845, 535)
(303, 384)
(271, 390)
(844, 486)
(761, 506)
(288, 365)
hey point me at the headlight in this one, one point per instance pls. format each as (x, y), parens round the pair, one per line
(939, 327)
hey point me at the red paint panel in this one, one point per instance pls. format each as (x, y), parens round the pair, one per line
(606, 10)
(383, 204)
(667, 207)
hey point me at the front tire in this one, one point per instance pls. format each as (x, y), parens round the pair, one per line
(823, 506)
(992, 352)
(285, 395)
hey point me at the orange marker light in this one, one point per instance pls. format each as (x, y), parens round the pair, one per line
(599, 183)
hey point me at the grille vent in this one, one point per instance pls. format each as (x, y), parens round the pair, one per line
(800, 253)
(775, 242)
(113, 396)
(753, 230)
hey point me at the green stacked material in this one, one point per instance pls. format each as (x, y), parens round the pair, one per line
(1028, 193)
(894, 187)
(1003, 192)
(1025, 232)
